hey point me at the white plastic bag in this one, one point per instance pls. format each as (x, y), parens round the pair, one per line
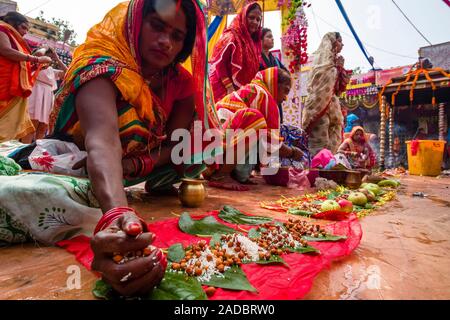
(58, 157)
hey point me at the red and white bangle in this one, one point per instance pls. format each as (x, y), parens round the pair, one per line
(113, 215)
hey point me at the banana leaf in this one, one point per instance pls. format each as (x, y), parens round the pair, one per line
(232, 215)
(233, 279)
(205, 227)
(176, 253)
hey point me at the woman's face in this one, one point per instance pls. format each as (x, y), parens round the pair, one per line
(23, 28)
(359, 136)
(339, 45)
(162, 39)
(254, 19)
(268, 42)
(283, 91)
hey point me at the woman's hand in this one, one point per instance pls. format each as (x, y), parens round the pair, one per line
(138, 276)
(44, 60)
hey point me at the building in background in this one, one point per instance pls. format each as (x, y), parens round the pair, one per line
(41, 33)
(43, 30)
(438, 54)
(7, 6)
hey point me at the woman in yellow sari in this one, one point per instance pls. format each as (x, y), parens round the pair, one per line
(16, 78)
(124, 94)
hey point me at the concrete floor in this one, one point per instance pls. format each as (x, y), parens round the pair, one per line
(403, 253)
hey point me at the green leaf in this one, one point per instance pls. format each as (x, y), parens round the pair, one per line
(302, 250)
(233, 279)
(232, 215)
(176, 253)
(333, 195)
(205, 227)
(174, 286)
(327, 238)
(297, 212)
(274, 259)
(369, 206)
(254, 233)
(216, 239)
(178, 286)
(104, 291)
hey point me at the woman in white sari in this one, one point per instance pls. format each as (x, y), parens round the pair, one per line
(322, 117)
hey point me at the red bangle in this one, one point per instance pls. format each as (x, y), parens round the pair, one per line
(113, 215)
(147, 166)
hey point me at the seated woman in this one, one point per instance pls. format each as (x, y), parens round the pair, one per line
(254, 106)
(123, 96)
(358, 151)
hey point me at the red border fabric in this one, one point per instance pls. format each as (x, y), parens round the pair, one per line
(273, 282)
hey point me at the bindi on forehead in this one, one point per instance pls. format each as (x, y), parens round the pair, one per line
(175, 23)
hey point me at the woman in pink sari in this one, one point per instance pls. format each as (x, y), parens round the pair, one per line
(235, 59)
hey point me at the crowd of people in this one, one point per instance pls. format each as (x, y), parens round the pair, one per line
(126, 92)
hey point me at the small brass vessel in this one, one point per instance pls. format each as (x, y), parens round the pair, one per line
(353, 179)
(192, 193)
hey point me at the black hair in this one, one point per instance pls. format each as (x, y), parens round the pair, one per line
(284, 76)
(338, 35)
(191, 25)
(264, 32)
(14, 19)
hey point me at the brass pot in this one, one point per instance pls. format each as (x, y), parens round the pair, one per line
(353, 179)
(192, 193)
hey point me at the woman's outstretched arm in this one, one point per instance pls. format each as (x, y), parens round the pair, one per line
(97, 112)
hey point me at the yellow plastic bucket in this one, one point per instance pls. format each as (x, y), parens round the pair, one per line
(428, 159)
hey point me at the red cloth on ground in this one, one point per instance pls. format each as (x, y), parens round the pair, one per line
(273, 282)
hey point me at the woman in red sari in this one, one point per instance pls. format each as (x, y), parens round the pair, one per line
(235, 59)
(253, 107)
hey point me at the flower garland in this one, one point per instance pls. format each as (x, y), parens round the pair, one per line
(295, 40)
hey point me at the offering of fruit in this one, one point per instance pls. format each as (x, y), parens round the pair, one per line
(374, 188)
(346, 206)
(389, 184)
(330, 205)
(358, 198)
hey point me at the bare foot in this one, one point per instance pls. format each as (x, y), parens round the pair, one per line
(227, 183)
